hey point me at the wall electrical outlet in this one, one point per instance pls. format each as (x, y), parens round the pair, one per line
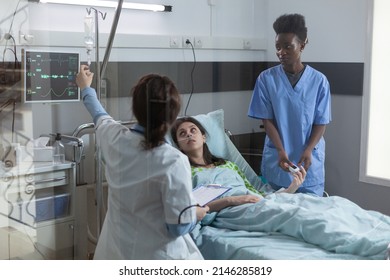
(175, 42)
(198, 43)
(185, 42)
(247, 44)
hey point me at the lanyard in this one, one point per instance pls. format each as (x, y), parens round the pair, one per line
(138, 129)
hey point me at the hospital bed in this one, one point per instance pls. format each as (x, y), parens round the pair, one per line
(220, 244)
(217, 243)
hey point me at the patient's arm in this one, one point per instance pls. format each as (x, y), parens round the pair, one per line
(224, 202)
(298, 179)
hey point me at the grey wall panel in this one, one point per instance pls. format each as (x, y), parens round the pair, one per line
(202, 77)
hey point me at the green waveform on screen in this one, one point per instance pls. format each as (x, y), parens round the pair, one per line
(44, 76)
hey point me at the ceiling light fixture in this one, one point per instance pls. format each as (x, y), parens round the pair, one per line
(109, 4)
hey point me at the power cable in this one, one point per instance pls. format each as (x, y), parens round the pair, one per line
(188, 42)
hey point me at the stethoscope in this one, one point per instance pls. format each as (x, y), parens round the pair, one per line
(188, 207)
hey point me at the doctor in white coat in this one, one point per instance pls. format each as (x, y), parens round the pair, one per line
(151, 209)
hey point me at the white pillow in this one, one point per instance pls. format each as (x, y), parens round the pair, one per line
(213, 122)
(220, 144)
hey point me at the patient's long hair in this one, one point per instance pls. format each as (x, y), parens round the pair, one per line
(208, 157)
(156, 104)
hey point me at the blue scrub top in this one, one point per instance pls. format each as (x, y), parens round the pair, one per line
(295, 111)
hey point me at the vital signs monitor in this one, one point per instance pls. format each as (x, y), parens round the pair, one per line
(50, 76)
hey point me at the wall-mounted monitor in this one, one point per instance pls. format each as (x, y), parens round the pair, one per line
(50, 76)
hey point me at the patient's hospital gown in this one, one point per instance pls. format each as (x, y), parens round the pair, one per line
(331, 223)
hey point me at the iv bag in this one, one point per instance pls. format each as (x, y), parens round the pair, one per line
(88, 29)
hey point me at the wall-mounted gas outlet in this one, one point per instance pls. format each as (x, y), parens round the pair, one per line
(25, 38)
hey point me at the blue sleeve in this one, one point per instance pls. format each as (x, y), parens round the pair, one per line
(92, 104)
(260, 106)
(180, 229)
(323, 107)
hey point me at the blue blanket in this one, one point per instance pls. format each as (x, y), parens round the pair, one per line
(333, 224)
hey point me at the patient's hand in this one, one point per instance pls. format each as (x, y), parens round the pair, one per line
(224, 202)
(298, 179)
(242, 199)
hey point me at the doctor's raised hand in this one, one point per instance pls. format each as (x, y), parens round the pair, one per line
(84, 77)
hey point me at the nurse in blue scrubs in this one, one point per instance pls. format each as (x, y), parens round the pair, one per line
(293, 101)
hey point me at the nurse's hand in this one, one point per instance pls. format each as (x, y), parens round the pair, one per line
(201, 212)
(84, 77)
(305, 159)
(283, 161)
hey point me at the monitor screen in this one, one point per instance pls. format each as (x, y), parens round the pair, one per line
(50, 76)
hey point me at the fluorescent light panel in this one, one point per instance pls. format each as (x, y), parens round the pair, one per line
(111, 4)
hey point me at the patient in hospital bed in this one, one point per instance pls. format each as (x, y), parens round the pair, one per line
(334, 224)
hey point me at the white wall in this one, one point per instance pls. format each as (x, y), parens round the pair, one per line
(336, 29)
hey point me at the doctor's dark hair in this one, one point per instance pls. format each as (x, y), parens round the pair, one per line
(208, 157)
(156, 104)
(292, 23)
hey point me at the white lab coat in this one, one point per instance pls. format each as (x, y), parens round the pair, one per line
(147, 189)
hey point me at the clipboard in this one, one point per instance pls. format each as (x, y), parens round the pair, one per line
(205, 193)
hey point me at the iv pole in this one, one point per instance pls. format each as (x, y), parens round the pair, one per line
(100, 71)
(111, 38)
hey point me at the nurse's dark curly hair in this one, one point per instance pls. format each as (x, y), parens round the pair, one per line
(156, 105)
(292, 23)
(208, 157)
